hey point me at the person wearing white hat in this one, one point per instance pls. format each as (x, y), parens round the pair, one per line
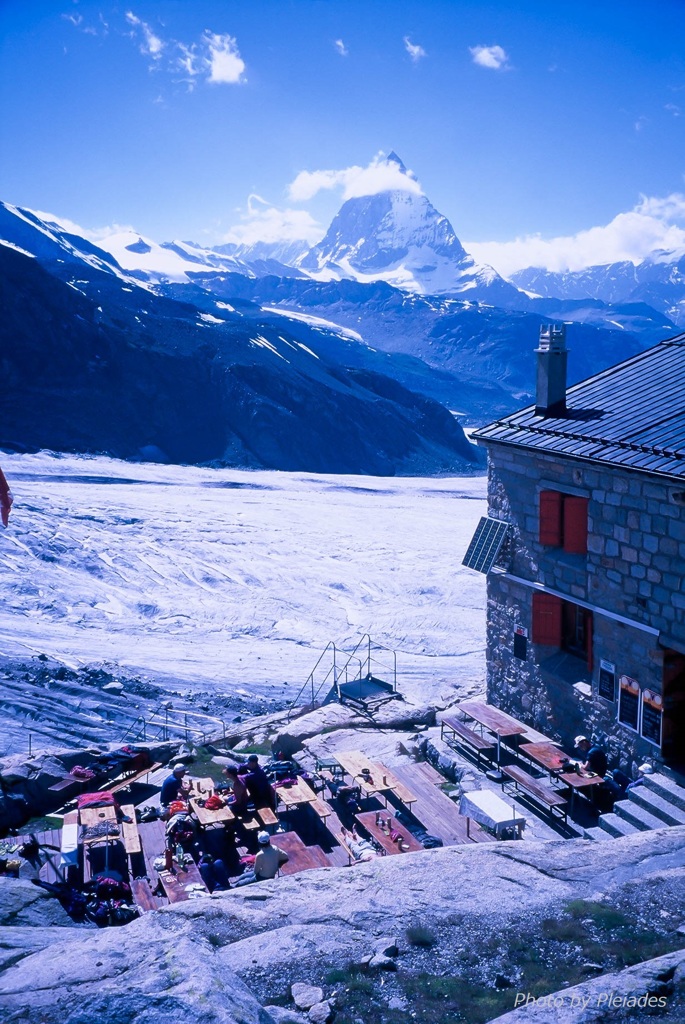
(595, 758)
(172, 786)
(266, 863)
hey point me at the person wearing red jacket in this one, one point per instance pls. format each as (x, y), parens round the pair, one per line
(5, 499)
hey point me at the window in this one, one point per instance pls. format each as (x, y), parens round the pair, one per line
(563, 521)
(562, 624)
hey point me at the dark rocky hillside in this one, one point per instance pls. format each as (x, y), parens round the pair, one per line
(93, 365)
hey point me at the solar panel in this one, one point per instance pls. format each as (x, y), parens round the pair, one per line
(485, 545)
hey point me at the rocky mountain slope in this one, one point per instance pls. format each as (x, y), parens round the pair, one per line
(93, 362)
(658, 281)
(346, 358)
(456, 933)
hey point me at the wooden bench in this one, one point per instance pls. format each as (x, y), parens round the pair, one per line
(340, 839)
(402, 792)
(468, 736)
(64, 784)
(129, 830)
(143, 895)
(321, 808)
(133, 778)
(267, 816)
(69, 841)
(543, 793)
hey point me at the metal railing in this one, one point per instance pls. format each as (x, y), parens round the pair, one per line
(166, 723)
(363, 659)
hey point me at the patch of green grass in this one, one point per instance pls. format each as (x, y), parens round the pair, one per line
(446, 998)
(263, 748)
(420, 935)
(601, 914)
(337, 976)
(561, 930)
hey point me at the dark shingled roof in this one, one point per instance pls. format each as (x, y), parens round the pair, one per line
(631, 415)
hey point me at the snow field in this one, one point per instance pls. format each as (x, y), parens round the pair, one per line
(235, 580)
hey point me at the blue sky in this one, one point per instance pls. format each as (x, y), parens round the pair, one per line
(534, 121)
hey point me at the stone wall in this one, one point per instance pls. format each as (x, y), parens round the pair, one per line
(635, 568)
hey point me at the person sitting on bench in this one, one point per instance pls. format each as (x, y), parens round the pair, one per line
(595, 758)
(258, 786)
(172, 787)
(239, 790)
(361, 849)
(214, 873)
(266, 863)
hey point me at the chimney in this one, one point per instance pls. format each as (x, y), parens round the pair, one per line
(550, 394)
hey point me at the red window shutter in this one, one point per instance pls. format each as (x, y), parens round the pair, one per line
(588, 640)
(550, 518)
(575, 525)
(546, 619)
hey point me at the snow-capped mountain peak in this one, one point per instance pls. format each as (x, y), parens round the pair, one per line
(396, 236)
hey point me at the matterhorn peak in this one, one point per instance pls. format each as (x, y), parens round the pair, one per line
(392, 158)
(395, 234)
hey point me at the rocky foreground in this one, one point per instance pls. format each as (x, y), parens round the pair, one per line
(460, 933)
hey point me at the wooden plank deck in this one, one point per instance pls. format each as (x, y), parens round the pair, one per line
(436, 812)
(52, 837)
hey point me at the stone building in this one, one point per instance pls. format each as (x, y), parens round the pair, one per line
(586, 601)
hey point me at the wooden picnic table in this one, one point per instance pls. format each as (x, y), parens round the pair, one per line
(368, 820)
(492, 719)
(90, 816)
(301, 857)
(360, 768)
(580, 782)
(546, 754)
(176, 882)
(398, 788)
(297, 794)
(200, 789)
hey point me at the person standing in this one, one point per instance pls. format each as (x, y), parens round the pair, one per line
(257, 782)
(6, 500)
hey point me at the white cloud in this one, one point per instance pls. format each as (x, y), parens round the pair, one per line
(380, 175)
(224, 62)
(415, 51)
(78, 22)
(151, 44)
(215, 58)
(493, 57)
(654, 223)
(262, 222)
(341, 48)
(92, 234)
(674, 109)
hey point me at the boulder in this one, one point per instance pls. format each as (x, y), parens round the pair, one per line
(285, 1015)
(305, 996)
(382, 963)
(321, 1013)
(291, 736)
(387, 946)
(140, 973)
(629, 991)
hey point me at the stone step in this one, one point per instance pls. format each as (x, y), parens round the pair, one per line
(616, 826)
(597, 833)
(666, 788)
(637, 815)
(655, 804)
